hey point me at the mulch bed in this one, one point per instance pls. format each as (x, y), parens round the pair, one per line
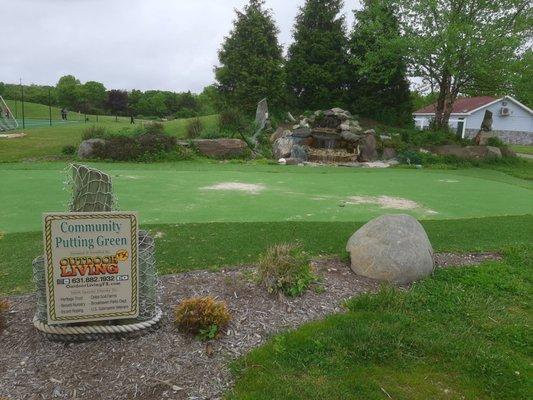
(166, 364)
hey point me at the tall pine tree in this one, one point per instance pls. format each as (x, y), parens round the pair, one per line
(378, 84)
(251, 61)
(316, 65)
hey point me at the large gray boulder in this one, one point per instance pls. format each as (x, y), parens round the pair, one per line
(392, 248)
(86, 148)
(282, 147)
(368, 148)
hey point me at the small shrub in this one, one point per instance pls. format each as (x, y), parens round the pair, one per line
(202, 316)
(232, 122)
(285, 268)
(194, 128)
(186, 113)
(154, 128)
(495, 142)
(68, 150)
(118, 148)
(95, 132)
(144, 147)
(154, 143)
(4, 308)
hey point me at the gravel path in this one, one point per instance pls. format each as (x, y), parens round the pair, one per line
(166, 364)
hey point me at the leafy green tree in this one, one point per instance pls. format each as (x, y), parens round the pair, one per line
(67, 92)
(92, 97)
(464, 46)
(207, 100)
(379, 87)
(251, 61)
(521, 85)
(117, 102)
(317, 60)
(133, 102)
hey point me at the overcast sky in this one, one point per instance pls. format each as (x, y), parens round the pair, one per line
(125, 44)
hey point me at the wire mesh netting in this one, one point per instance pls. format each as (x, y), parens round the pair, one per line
(92, 192)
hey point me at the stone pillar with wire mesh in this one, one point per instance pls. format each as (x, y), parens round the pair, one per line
(92, 192)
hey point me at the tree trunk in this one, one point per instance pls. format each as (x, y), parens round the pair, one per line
(442, 113)
(448, 92)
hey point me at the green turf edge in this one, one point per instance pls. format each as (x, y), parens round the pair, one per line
(187, 247)
(463, 333)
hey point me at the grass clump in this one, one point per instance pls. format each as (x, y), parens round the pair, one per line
(285, 268)
(68, 150)
(202, 316)
(95, 132)
(194, 128)
(4, 307)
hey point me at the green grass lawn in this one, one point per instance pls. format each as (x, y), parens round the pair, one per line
(45, 142)
(183, 193)
(184, 247)
(464, 333)
(35, 111)
(522, 149)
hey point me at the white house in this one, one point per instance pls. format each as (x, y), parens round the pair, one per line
(512, 121)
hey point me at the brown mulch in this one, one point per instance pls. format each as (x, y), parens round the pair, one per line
(166, 364)
(446, 260)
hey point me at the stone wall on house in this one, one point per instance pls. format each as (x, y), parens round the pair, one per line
(509, 137)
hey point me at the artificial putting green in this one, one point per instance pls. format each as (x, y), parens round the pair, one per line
(188, 193)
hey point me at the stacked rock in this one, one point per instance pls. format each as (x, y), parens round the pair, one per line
(332, 135)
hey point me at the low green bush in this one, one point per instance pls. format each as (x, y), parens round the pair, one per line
(233, 122)
(145, 147)
(95, 132)
(68, 150)
(285, 268)
(495, 142)
(194, 128)
(154, 128)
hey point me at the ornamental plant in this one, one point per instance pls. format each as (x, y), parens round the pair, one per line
(202, 316)
(285, 268)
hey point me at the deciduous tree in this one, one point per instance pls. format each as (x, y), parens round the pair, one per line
(67, 92)
(117, 101)
(461, 46)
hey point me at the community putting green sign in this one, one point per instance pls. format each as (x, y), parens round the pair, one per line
(91, 264)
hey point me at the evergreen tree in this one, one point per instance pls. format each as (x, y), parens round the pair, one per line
(251, 61)
(317, 61)
(378, 84)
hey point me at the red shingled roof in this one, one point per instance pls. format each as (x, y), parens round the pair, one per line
(461, 106)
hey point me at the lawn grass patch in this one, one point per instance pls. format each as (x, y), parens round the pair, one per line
(166, 193)
(187, 247)
(462, 333)
(523, 149)
(46, 142)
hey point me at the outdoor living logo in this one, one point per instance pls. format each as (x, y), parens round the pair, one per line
(90, 266)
